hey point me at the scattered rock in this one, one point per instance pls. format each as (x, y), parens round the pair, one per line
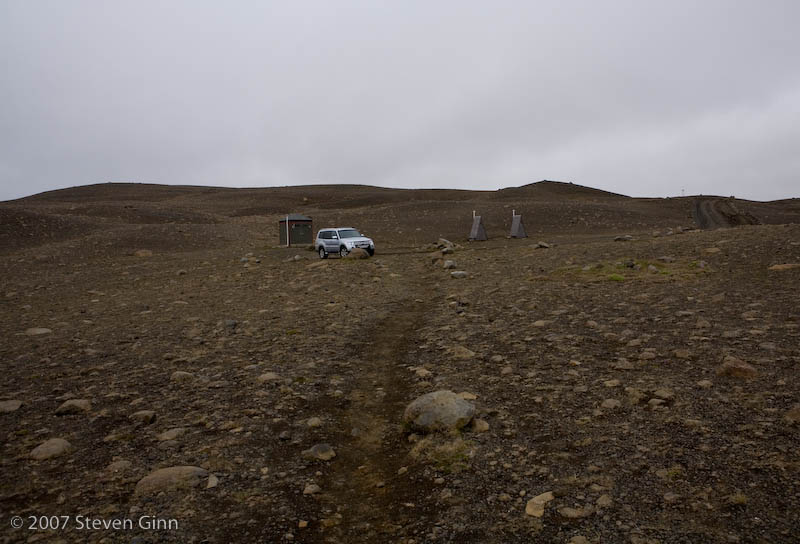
(535, 506)
(623, 238)
(574, 513)
(671, 498)
(736, 368)
(37, 331)
(170, 479)
(479, 425)
(604, 501)
(74, 406)
(171, 434)
(438, 411)
(357, 253)
(458, 274)
(449, 265)
(180, 376)
(314, 422)
(793, 415)
(268, 377)
(118, 466)
(786, 266)
(7, 406)
(461, 353)
(610, 404)
(142, 253)
(543, 245)
(143, 416)
(50, 449)
(320, 452)
(311, 489)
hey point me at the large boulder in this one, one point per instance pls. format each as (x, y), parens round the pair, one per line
(438, 411)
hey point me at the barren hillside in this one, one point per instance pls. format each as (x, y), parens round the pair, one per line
(621, 375)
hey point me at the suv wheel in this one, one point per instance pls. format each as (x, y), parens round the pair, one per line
(343, 251)
(371, 251)
(322, 253)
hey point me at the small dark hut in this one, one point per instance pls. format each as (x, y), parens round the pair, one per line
(296, 229)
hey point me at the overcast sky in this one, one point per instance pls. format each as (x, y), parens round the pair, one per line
(638, 97)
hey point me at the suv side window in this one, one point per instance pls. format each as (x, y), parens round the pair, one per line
(325, 234)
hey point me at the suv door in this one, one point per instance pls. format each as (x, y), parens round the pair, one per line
(332, 242)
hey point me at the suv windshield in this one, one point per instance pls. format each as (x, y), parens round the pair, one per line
(349, 233)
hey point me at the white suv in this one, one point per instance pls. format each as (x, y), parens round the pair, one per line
(341, 240)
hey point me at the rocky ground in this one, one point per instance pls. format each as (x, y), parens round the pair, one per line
(182, 367)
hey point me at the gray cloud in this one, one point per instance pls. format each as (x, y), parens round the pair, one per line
(643, 98)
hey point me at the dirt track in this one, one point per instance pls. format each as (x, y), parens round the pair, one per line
(719, 213)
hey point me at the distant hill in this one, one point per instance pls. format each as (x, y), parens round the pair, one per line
(406, 217)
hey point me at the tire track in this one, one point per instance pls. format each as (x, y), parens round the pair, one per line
(364, 499)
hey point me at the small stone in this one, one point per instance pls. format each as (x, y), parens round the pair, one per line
(74, 406)
(793, 415)
(51, 448)
(36, 331)
(573, 513)
(610, 404)
(213, 481)
(142, 253)
(449, 265)
(458, 274)
(480, 426)
(144, 416)
(311, 489)
(321, 452)
(666, 394)
(671, 498)
(604, 501)
(180, 376)
(302, 524)
(705, 384)
(535, 506)
(314, 422)
(736, 368)
(171, 434)
(786, 266)
(461, 353)
(170, 479)
(7, 406)
(118, 466)
(611, 383)
(268, 377)
(578, 539)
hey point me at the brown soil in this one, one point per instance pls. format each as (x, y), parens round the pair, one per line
(686, 456)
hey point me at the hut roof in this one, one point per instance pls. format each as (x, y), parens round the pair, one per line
(295, 217)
